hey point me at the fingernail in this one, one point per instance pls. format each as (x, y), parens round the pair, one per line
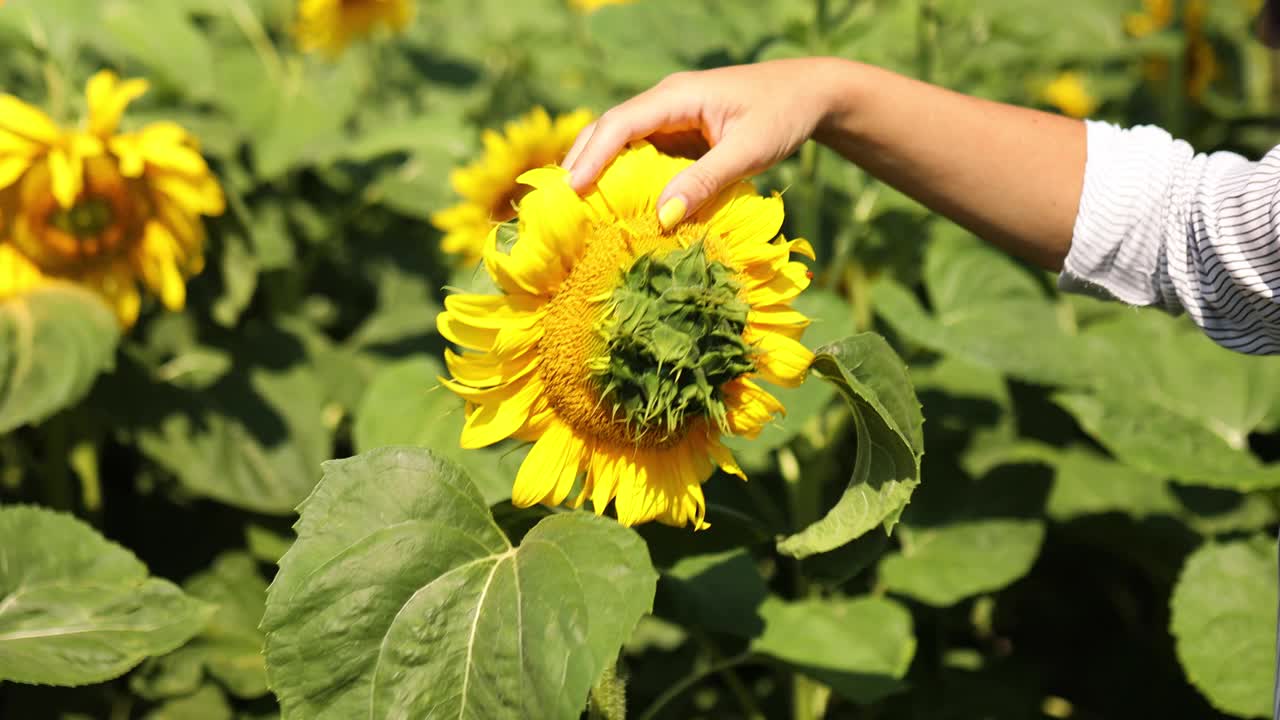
(672, 212)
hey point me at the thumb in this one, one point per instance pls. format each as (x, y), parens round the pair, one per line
(724, 164)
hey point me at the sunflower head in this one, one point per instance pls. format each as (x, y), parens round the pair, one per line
(623, 351)
(488, 186)
(590, 6)
(100, 208)
(329, 26)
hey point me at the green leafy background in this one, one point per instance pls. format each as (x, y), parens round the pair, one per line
(990, 500)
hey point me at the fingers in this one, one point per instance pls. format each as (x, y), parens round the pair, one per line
(729, 161)
(661, 108)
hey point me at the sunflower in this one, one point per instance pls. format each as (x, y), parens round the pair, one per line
(330, 25)
(1069, 93)
(100, 208)
(489, 186)
(625, 352)
(1200, 60)
(588, 6)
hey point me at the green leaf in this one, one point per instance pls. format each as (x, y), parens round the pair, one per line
(77, 609)
(406, 405)
(861, 647)
(720, 593)
(1155, 440)
(163, 38)
(961, 538)
(255, 438)
(229, 649)
(942, 566)
(53, 344)
(989, 311)
(402, 581)
(1223, 614)
(207, 703)
(874, 381)
(1087, 483)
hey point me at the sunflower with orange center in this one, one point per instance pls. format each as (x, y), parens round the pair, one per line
(329, 26)
(625, 353)
(489, 186)
(101, 208)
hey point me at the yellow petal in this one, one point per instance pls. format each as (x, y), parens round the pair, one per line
(108, 98)
(486, 370)
(781, 360)
(548, 472)
(17, 274)
(744, 219)
(495, 311)
(25, 121)
(750, 408)
(157, 264)
(554, 212)
(460, 333)
(11, 168)
(630, 185)
(66, 176)
(491, 422)
(724, 458)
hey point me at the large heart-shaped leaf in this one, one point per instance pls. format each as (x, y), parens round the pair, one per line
(403, 598)
(886, 414)
(77, 609)
(53, 344)
(1223, 618)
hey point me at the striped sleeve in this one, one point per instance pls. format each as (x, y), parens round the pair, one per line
(1160, 225)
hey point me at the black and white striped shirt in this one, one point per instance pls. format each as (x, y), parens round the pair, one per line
(1160, 225)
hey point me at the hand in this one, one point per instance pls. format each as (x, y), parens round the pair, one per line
(750, 117)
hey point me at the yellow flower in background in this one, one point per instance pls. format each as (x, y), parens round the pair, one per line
(1201, 62)
(489, 186)
(100, 208)
(625, 352)
(1156, 15)
(329, 26)
(1069, 93)
(587, 6)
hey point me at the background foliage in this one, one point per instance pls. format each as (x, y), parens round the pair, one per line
(1092, 535)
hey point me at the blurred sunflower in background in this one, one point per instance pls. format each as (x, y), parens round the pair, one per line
(101, 208)
(489, 187)
(1070, 93)
(1201, 62)
(623, 351)
(587, 6)
(329, 26)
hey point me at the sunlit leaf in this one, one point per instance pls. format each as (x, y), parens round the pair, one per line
(1223, 618)
(861, 647)
(420, 606)
(887, 419)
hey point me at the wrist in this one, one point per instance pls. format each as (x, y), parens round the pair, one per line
(843, 85)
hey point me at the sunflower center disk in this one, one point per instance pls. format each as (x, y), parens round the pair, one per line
(87, 218)
(672, 338)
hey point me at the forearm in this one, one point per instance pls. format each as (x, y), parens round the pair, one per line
(1011, 175)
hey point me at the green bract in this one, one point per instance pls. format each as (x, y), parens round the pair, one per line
(672, 338)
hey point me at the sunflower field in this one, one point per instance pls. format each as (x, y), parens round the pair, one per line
(323, 396)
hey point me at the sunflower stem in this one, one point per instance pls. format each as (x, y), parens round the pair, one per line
(691, 680)
(750, 709)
